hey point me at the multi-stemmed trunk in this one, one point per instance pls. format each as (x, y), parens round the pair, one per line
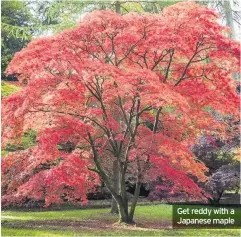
(126, 214)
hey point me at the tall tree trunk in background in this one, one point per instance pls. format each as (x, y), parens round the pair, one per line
(229, 17)
(117, 7)
(116, 171)
(230, 23)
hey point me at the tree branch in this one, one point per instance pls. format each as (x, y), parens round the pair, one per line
(160, 58)
(199, 43)
(156, 120)
(137, 191)
(100, 170)
(169, 65)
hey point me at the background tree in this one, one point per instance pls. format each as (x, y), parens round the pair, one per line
(221, 157)
(15, 31)
(230, 12)
(215, 152)
(63, 14)
(226, 178)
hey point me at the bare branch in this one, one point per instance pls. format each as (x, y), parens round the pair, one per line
(156, 120)
(169, 65)
(160, 58)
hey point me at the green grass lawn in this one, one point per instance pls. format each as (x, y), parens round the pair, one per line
(152, 221)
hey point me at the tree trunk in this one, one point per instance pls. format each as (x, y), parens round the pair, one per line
(122, 202)
(216, 198)
(137, 191)
(229, 17)
(230, 23)
(134, 201)
(114, 207)
(123, 213)
(123, 207)
(117, 7)
(214, 201)
(116, 182)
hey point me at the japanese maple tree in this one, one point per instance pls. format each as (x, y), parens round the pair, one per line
(137, 89)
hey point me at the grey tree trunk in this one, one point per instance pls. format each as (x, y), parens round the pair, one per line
(125, 216)
(230, 23)
(134, 201)
(229, 17)
(116, 185)
(117, 7)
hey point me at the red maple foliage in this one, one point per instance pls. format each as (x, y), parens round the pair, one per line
(100, 85)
